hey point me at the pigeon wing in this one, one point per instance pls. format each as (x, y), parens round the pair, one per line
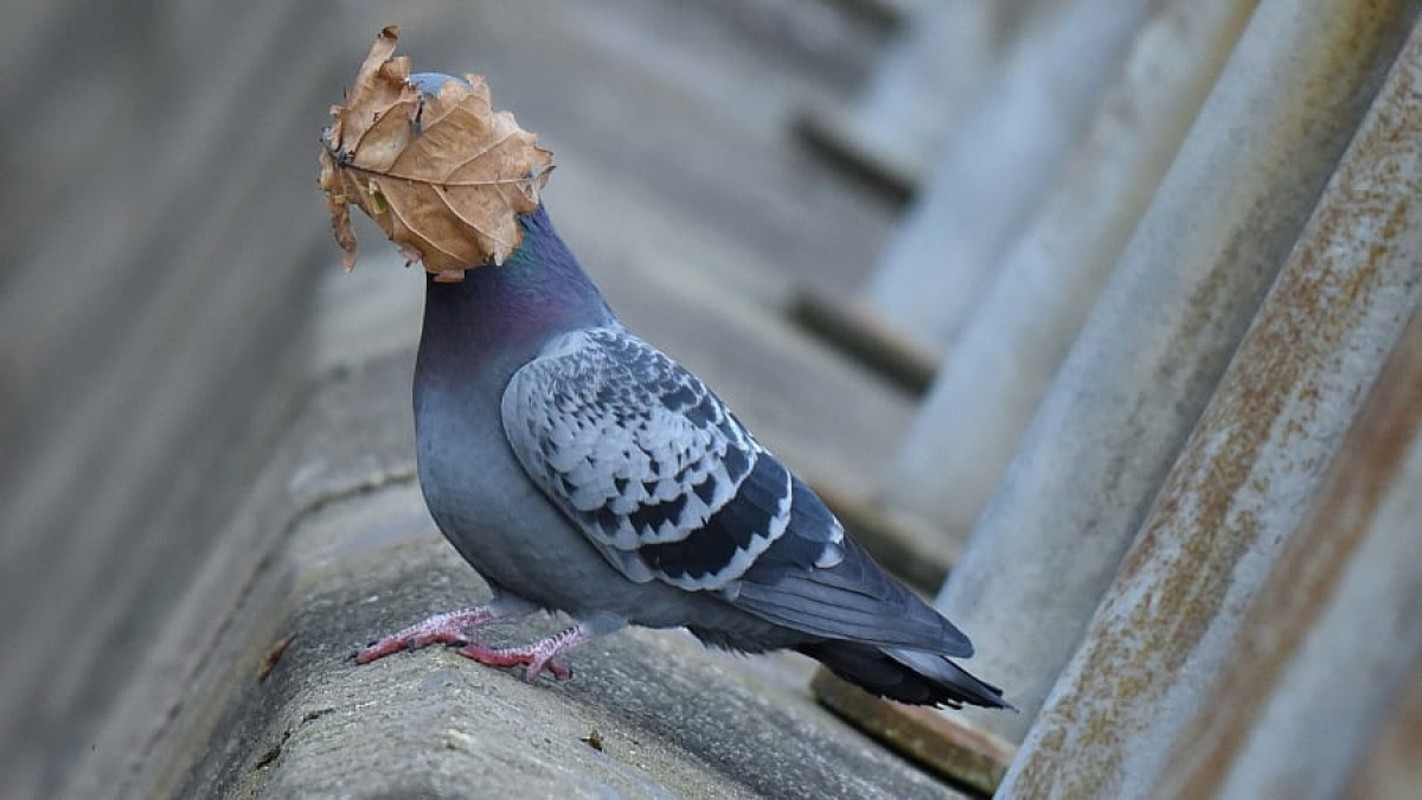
(670, 486)
(645, 460)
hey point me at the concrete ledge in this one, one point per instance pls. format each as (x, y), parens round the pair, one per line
(858, 332)
(353, 435)
(830, 132)
(334, 547)
(667, 719)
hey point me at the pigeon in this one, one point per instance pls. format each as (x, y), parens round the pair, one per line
(579, 469)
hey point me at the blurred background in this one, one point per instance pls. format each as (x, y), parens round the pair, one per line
(166, 253)
(920, 245)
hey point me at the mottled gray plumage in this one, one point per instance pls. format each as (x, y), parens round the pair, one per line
(579, 469)
(666, 483)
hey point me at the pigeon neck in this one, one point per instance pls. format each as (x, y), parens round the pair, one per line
(506, 313)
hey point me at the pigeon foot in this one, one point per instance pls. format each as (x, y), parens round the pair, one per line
(450, 627)
(535, 656)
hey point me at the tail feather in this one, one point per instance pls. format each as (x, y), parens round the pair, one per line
(855, 600)
(855, 618)
(908, 676)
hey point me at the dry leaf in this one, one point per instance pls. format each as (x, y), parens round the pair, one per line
(269, 661)
(444, 174)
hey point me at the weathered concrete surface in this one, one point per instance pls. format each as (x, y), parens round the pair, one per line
(941, 56)
(1157, 342)
(1241, 488)
(670, 720)
(1392, 769)
(989, 176)
(1014, 340)
(1339, 609)
(353, 436)
(151, 342)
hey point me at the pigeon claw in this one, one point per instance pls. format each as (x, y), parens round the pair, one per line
(535, 656)
(534, 663)
(449, 628)
(404, 641)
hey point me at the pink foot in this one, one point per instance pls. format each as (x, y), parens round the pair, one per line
(448, 628)
(536, 656)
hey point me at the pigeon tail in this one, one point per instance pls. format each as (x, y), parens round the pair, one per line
(908, 676)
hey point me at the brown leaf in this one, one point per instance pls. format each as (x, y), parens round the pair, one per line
(444, 175)
(269, 661)
(593, 740)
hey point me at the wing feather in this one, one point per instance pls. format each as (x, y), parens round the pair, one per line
(645, 459)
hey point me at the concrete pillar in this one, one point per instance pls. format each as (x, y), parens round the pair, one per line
(1157, 341)
(1010, 347)
(1325, 652)
(1392, 769)
(1244, 483)
(992, 175)
(942, 56)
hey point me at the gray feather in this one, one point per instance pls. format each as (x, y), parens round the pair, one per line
(645, 460)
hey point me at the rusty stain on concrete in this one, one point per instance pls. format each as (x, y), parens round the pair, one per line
(946, 747)
(1393, 765)
(1377, 182)
(1304, 581)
